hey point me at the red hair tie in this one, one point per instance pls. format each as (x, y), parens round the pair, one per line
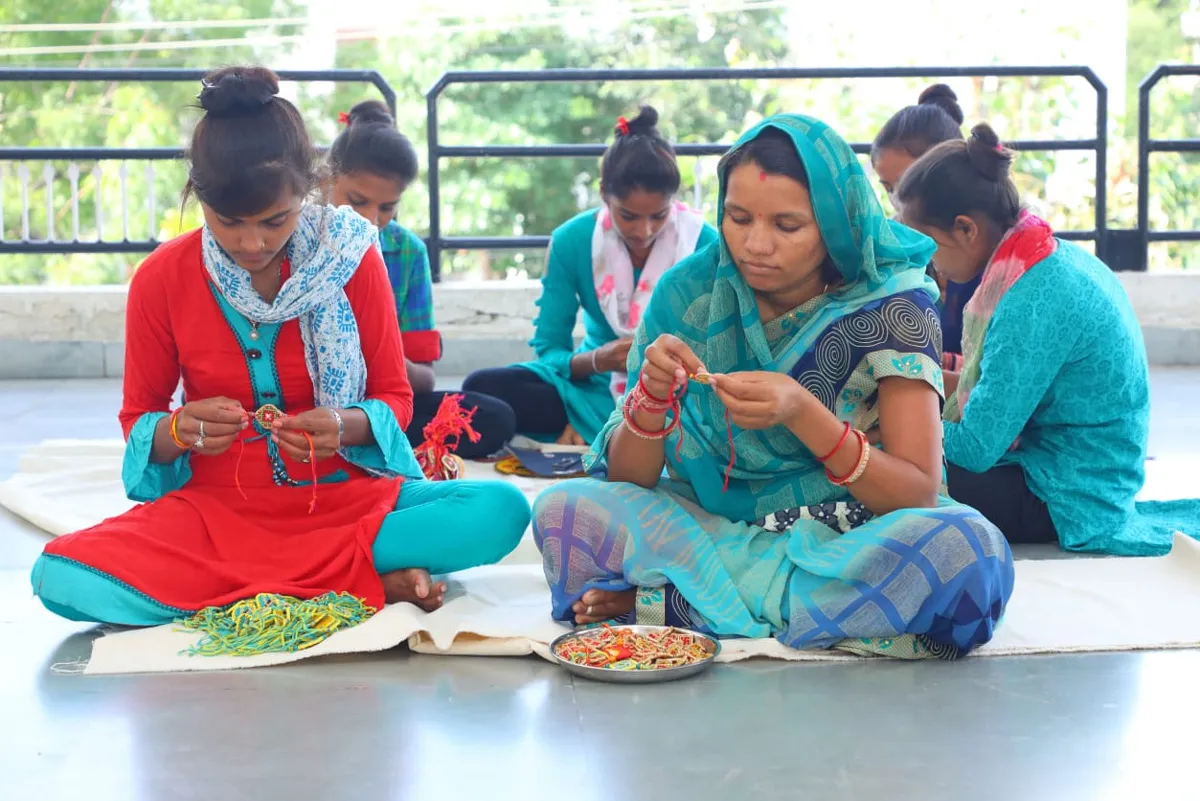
(623, 126)
(343, 118)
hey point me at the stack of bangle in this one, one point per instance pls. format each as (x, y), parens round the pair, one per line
(864, 456)
(175, 431)
(639, 399)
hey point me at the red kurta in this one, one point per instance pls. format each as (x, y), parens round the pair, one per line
(206, 545)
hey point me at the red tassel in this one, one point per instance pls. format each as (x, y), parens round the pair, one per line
(442, 435)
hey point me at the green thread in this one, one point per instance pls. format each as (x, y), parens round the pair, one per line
(269, 623)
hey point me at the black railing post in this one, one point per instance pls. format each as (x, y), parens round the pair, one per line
(1143, 177)
(432, 181)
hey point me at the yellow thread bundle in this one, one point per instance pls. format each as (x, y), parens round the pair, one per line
(269, 623)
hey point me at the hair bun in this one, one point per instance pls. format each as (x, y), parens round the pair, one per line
(371, 112)
(645, 123)
(943, 97)
(236, 91)
(987, 154)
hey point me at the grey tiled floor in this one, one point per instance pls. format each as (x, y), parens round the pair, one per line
(390, 726)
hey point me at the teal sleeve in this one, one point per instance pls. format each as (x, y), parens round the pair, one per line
(558, 310)
(1025, 347)
(144, 480)
(390, 454)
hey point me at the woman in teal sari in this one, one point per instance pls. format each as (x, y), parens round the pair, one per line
(809, 323)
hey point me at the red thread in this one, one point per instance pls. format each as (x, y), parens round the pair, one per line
(343, 118)
(640, 398)
(623, 126)
(312, 461)
(450, 423)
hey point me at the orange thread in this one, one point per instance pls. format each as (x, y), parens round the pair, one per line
(312, 460)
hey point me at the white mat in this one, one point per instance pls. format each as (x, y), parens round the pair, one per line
(1067, 605)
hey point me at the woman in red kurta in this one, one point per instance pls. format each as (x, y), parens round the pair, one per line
(277, 317)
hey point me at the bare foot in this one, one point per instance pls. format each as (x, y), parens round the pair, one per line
(413, 586)
(596, 606)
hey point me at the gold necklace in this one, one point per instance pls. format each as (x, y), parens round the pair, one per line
(255, 323)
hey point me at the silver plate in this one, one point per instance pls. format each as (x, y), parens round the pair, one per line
(636, 676)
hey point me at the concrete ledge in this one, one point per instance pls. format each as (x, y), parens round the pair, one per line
(77, 332)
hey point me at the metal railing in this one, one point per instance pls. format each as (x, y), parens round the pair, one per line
(1147, 145)
(437, 152)
(76, 176)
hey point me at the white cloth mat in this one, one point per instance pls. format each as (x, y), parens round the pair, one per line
(1058, 606)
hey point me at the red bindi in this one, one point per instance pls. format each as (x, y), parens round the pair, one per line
(762, 175)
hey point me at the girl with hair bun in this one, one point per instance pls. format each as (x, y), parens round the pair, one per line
(1045, 427)
(607, 261)
(369, 167)
(283, 485)
(907, 136)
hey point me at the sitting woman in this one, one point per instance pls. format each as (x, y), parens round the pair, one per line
(1046, 433)
(761, 361)
(287, 471)
(370, 165)
(608, 261)
(907, 136)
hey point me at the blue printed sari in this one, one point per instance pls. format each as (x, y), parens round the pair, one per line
(783, 552)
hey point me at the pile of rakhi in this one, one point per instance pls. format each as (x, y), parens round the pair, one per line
(622, 649)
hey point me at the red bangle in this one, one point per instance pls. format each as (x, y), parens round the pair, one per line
(860, 467)
(838, 447)
(631, 406)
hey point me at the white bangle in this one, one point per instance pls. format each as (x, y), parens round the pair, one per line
(595, 369)
(341, 426)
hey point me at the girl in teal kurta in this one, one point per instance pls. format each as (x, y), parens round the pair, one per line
(607, 261)
(1046, 433)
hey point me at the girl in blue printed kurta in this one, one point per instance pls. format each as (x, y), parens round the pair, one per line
(1046, 431)
(606, 261)
(371, 164)
(809, 322)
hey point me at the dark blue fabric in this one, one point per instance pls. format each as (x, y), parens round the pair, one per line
(955, 298)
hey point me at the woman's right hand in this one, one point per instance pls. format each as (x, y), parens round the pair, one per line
(223, 420)
(611, 357)
(667, 364)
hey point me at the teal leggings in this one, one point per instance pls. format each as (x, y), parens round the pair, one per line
(442, 526)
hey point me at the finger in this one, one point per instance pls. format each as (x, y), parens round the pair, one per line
(213, 446)
(215, 414)
(738, 387)
(214, 430)
(684, 355)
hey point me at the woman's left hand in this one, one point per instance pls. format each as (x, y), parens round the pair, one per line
(288, 433)
(759, 400)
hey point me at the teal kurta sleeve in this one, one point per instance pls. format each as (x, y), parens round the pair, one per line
(558, 309)
(144, 480)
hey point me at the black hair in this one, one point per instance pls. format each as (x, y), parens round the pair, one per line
(639, 158)
(370, 143)
(962, 178)
(775, 154)
(936, 118)
(250, 146)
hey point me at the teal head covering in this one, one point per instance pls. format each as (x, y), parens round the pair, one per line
(865, 245)
(705, 302)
